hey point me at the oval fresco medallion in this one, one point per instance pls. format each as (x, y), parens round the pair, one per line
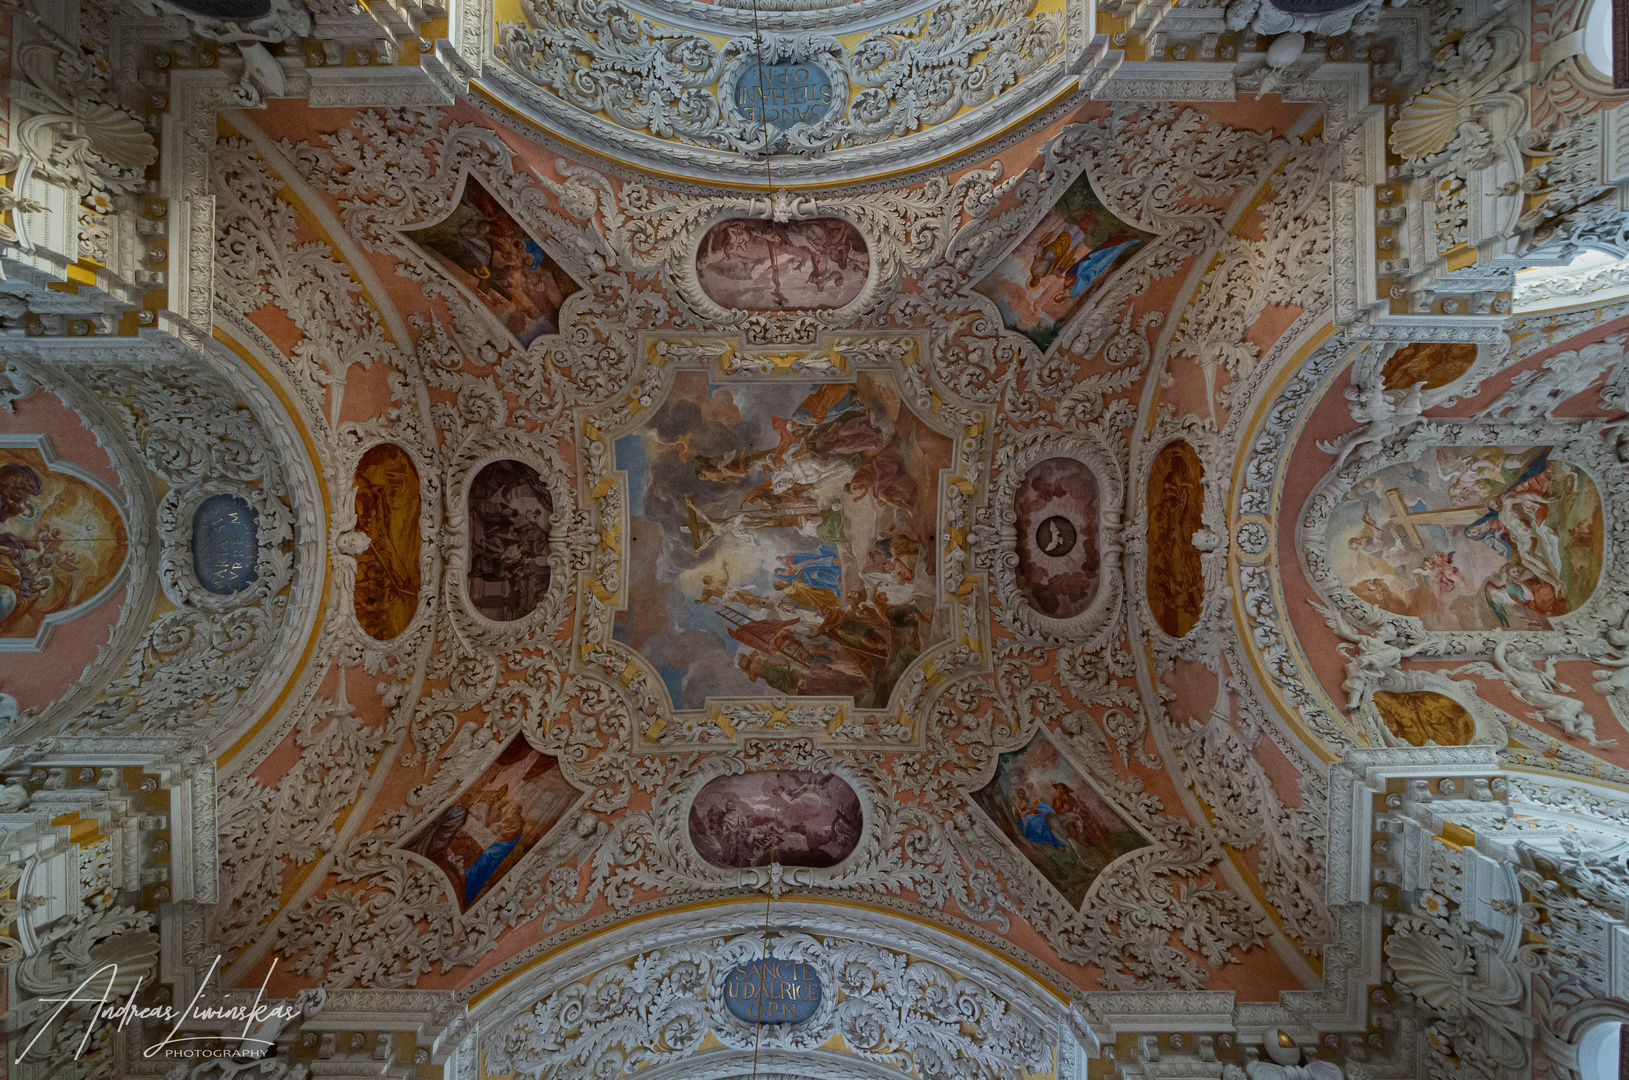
(62, 543)
(1421, 716)
(786, 816)
(1057, 537)
(509, 508)
(1472, 538)
(749, 264)
(387, 512)
(1176, 505)
(1431, 364)
(225, 544)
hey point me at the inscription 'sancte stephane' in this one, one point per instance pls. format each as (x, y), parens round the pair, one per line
(772, 991)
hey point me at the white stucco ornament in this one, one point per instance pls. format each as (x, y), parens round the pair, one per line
(1286, 50)
(1329, 18)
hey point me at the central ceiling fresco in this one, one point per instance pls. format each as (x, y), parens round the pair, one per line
(971, 504)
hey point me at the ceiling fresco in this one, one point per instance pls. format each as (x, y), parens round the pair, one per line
(824, 541)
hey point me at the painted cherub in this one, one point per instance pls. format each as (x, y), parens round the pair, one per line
(713, 586)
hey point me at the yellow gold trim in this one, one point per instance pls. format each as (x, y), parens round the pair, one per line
(327, 515)
(1457, 835)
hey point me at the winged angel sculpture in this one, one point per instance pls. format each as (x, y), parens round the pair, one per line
(1539, 688)
(1370, 659)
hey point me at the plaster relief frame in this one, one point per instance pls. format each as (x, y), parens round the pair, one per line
(567, 547)
(1576, 444)
(1094, 627)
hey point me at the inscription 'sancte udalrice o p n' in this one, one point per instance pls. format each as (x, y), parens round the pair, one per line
(784, 94)
(772, 991)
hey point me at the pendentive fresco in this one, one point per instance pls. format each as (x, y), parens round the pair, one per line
(1028, 538)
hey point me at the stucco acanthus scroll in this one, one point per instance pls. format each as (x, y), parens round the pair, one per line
(674, 84)
(104, 933)
(910, 1014)
(176, 415)
(259, 258)
(197, 662)
(1291, 266)
(1248, 812)
(582, 215)
(939, 1009)
(1252, 499)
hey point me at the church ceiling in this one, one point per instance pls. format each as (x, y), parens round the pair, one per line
(1065, 526)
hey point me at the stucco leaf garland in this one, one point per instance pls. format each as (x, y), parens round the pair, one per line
(383, 918)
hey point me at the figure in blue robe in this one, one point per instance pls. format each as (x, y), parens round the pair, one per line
(1036, 828)
(485, 866)
(1091, 266)
(819, 568)
(1488, 529)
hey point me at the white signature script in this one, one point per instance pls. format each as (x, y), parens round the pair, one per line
(122, 1014)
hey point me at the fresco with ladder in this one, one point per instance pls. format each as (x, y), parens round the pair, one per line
(782, 539)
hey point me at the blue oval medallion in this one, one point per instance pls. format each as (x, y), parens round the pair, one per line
(772, 991)
(225, 544)
(784, 94)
